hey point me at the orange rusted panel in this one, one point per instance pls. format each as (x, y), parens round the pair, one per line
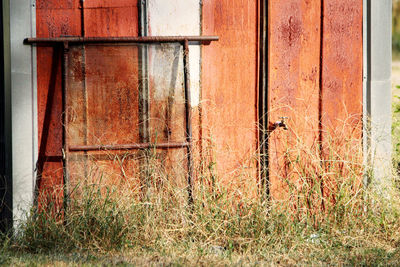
(342, 64)
(293, 87)
(54, 18)
(103, 108)
(298, 61)
(103, 96)
(111, 21)
(111, 18)
(109, 3)
(229, 92)
(341, 94)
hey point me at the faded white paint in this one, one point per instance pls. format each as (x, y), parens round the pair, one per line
(23, 108)
(171, 18)
(377, 93)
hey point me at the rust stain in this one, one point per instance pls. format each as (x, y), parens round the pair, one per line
(291, 31)
(54, 18)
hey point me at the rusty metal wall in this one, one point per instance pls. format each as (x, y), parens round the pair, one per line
(101, 102)
(314, 79)
(293, 84)
(342, 64)
(229, 106)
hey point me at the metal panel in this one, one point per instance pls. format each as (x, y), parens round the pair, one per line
(53, 19)
(229, 110)
(174, 17)
(342, 65)
(342, 88)
(293, 87)
(22, 108)
(379, 66)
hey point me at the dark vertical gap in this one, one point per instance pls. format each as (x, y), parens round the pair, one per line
(144, 98)
(320, 99)
(263, 98)
(5, 133)
(82, 3)
(188, 119)
(368, 89)
(65, 120)
(85, 94)
(200, 107)
(143, 74)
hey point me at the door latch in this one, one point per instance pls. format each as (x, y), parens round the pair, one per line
(279, 124)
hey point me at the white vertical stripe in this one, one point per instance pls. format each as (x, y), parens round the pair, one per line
(179, 17)
(22, 107)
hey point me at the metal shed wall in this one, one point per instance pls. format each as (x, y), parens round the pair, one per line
(217, 18)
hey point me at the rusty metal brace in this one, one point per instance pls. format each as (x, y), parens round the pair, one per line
(66, 148)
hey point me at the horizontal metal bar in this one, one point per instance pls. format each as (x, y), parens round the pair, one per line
(129, 146)
(145, 39)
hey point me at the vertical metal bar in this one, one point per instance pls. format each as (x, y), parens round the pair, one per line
(263, 100)
(188, 119)
(143, 26)
(65, 117)
(85, 93)
(367, 41)
(144, 103)
(6, 181)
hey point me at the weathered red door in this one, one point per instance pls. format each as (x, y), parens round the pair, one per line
(315, 80)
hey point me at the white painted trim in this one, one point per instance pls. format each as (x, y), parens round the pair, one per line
(22, 109)
(35, 131)
(377, 88)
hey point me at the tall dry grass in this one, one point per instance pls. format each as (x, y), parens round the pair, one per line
(326, 216)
